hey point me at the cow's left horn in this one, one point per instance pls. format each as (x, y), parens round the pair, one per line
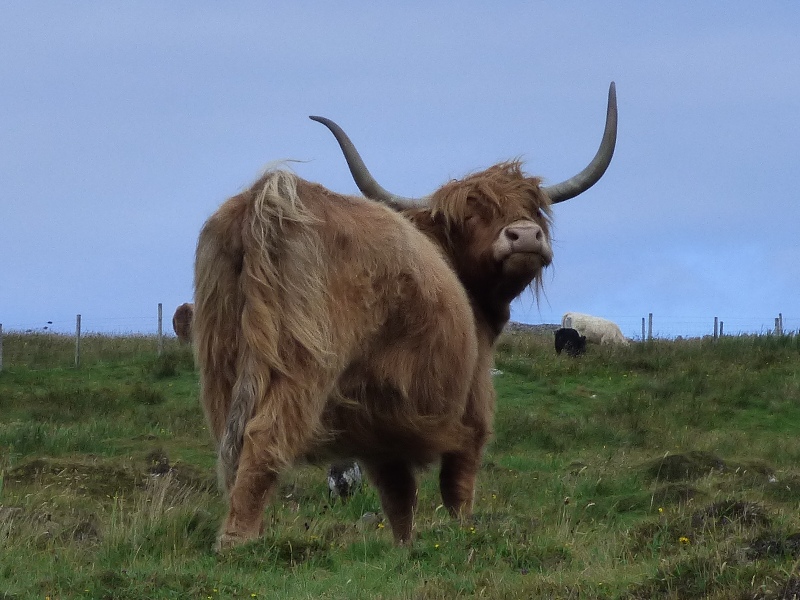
(592, 173)
(363, 178)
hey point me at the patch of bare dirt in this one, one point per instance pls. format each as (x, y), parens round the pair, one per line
(91, 478)
(727, 512)
(687, 465)
(99, 479)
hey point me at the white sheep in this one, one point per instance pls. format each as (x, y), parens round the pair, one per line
(596, 329)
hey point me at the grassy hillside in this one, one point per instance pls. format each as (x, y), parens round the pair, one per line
(662, 470)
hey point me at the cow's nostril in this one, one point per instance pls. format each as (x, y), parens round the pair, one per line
(512, 235)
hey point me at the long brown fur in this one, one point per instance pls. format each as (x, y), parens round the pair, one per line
(330, 325)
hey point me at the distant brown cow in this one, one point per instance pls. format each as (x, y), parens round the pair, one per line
(182, 322)
(329, 325)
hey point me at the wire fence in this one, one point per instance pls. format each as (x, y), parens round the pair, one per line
(154, 335)
(34, 344)
(130, 325)
(655, 326)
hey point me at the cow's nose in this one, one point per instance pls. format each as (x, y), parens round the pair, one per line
(525, 237)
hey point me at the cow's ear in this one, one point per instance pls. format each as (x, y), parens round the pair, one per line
(426, 221)
(420, 217)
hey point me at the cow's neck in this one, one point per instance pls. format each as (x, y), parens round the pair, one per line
(489, 316)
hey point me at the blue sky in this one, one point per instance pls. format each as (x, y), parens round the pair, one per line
(124, 125)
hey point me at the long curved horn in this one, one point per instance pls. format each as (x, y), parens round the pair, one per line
(592, 173)
(363, 178)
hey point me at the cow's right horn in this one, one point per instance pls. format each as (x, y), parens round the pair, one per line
(363, 178)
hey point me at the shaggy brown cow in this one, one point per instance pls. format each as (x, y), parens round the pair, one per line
(182, 322)
(323, 325)
(328, 325)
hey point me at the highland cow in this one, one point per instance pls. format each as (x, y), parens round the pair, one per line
(182, 322)
(334, 326)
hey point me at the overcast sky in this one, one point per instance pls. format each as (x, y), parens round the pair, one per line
(124, 125)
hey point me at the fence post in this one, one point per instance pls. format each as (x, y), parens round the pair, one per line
(78, 342)
(777, 326)
(650, 326)
(721, 323)
(160, 333)
(780, 323)
(643, 338)
(1, 347)
(716, 325)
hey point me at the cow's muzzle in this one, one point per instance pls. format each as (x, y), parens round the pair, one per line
(522, 237)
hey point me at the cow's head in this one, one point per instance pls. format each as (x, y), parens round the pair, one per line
(493, 225)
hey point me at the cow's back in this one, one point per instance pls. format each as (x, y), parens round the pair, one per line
(299, 280)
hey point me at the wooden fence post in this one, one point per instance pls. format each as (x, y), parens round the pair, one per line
(78, 342)
(160, 332)
(650, 326)
(643, 338)
(721, 324)
(716, 325)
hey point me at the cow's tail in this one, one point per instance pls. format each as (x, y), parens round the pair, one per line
(218, 306)
(258, 297)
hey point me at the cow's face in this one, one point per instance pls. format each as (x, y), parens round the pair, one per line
(495, 228)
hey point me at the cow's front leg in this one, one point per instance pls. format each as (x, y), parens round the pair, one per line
(457, 482)
(397, 487)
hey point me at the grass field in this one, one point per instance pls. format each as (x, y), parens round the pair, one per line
(668, 469)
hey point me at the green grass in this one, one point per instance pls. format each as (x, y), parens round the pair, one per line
(668, 469)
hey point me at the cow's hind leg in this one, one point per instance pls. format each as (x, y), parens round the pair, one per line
(248, 497)
(397, 487)
(281, 430)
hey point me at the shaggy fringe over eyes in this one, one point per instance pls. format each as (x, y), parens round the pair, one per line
(504, 187)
